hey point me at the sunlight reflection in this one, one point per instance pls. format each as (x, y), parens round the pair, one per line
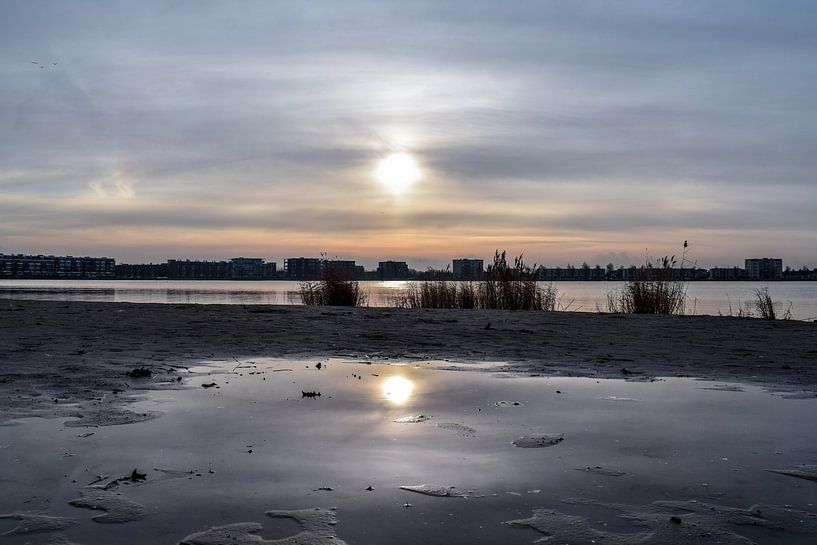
(397, 389)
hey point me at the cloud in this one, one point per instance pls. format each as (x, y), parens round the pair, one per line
(565, 126)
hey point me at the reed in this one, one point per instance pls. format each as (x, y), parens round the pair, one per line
(654, 290)
(506, 287)
(764, 305)
(333, 290)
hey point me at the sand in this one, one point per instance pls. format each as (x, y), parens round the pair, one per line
(63, 358)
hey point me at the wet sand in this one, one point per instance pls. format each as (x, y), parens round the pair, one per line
(252, 459)
(171, 424)
(58, 357)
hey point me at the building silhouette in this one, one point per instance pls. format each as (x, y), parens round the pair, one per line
(468, 269)
(303, 268)
(393, 270)
(49, 266)
(765, 268)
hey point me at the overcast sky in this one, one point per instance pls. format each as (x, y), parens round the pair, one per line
(568, 130)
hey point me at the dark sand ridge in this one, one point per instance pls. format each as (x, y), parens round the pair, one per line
(64, 359)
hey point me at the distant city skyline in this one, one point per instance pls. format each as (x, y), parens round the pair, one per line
(421, 131)
(451, 263)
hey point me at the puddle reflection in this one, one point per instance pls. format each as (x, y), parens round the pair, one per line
(397, 389)
(392, 447)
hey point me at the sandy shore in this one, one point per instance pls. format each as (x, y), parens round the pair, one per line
(63, 358)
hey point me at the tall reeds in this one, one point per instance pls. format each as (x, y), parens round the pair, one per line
(514, 287)
(506, 287)
(439, 294)
(333, 290)
(656, 289)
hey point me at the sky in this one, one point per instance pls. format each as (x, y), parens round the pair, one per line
(568, 130)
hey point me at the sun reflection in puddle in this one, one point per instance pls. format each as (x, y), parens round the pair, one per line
(397, 389)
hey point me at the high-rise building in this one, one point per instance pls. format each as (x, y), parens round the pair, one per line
(393, 270)
(765, 268)
(468, 269)
(49, 266)
(349, 270)
(303, 268)
(197, 270)
(246, 268)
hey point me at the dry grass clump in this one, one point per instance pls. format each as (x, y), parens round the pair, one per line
(505, 287)
(653, 292)
(333, 290)
(514, 287)
(439, 294)
(766, 307)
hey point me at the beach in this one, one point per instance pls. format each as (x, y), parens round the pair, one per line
(208, 424)
(78, 351)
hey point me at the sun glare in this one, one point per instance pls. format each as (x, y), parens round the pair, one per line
(398, 171)
(397, 389)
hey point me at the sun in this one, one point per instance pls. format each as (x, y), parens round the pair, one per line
(397, 389)
(397, 171)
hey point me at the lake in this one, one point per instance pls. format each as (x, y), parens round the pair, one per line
(702, 297)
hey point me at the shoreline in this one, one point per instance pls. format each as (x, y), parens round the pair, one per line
(78, 352)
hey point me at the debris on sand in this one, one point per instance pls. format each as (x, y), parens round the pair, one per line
(619, 399)
(598, 470)
(140, 372)
(118, 508)
(507, 404)
(460, 429)
(132, 477)
(436, 491)
(98, 479)
(310, 394)
(208, 385)
(30, 523)
(317, 526)
(539, 441)
(413, 419)
(807, 472)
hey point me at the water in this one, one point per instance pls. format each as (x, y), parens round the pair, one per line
(253, 443)
(702, 297)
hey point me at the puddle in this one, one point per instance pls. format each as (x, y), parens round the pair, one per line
(257, 460)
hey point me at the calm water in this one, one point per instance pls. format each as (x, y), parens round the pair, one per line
(703, 297)
(253, 443)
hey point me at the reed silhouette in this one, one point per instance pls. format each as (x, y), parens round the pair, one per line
(334, 289)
